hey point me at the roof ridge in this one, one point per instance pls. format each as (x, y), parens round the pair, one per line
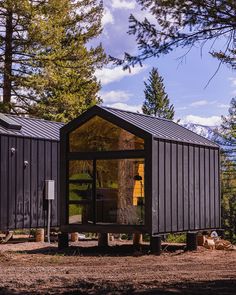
(32, 118)
(166, 128)
(136, 113)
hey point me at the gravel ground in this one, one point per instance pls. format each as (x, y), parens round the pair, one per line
(38, 268)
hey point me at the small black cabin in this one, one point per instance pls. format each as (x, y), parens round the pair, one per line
(129, 172)
(29, 155)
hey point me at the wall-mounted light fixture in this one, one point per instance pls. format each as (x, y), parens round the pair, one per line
(26, 163)
(13, 151)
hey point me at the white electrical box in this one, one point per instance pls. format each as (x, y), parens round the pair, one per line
(49, 189)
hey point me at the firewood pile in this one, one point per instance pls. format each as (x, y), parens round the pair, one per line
(214, 242)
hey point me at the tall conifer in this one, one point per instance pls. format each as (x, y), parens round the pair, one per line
(228, 172)
(156, 101)
(47, 66)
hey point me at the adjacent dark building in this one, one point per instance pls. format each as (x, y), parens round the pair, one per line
(29, 155)
(128, 172)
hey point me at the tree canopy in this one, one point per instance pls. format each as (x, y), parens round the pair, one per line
(228, 172)
(156, 101)
(47, 65)
(181, 23)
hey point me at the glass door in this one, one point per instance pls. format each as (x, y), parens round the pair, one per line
(81, 206)
(106, 191)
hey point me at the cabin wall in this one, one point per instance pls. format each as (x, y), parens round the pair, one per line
(186, 187)
(22, 203)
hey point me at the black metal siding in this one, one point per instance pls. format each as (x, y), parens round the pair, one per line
(22, 203)
(187, 187)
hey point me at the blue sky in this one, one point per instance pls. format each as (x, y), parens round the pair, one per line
(184, 79)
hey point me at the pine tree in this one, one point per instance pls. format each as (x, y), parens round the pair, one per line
(67, 82)
(15, 18)
(156, 100)
(47, 67)
(175, 24)
(228, 172)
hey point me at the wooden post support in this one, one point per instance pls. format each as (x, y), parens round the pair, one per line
(221, 233)
(155, 245)
(74, 237)
(63, 241)
(39, 235)
(137, 239)
(103, 240)
(191, 241)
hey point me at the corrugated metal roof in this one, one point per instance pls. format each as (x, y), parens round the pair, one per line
(161, 128)
(33, 127)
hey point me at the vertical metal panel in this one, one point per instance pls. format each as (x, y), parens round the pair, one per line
(155, 211)
(185, 186)
(47, 173)
(191, 189)
(196, 188)
(217, 190)
(174, 190)
(161, 173)
(168, 215)
(54, 175)
(207, 181)
(12, 183)
(34, 183)
(58, 186)
(202, 188)
(4, 182)
(27, 182)
(19, 183)
(148, 186)
(41, 182)
(212, 188)
(180, 187)
(63, 176)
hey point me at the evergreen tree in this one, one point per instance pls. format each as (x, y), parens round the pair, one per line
(15, 19)
(47, 66)
(67, 82)
(184, 24)
(228, 172)
(156, 100)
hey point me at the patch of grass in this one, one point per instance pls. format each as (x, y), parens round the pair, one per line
(176, 238)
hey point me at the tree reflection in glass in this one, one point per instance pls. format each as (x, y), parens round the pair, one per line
(98, 134)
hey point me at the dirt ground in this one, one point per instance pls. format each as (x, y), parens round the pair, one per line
(38, 268)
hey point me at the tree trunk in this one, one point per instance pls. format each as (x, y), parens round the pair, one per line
(8, 62)
(126, 212)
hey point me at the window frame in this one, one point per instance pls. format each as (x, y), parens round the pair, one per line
(131, 155)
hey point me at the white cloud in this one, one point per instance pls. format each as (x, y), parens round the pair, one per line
(233, 81)
(199, 103)
(208, 121)
(233, 84)
(123, 4)
(109, 75)
(107, 17)
(223, 106)
(126, 107)
(115, 96)
(181, 108)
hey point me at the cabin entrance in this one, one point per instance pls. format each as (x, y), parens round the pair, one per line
(106, 191)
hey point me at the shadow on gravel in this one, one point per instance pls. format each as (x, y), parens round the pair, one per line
(219, 287)
(117, 250)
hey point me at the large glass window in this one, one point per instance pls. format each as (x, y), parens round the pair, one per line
(120, 191)
(119, 194)
(98, 134)
(80, 192)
